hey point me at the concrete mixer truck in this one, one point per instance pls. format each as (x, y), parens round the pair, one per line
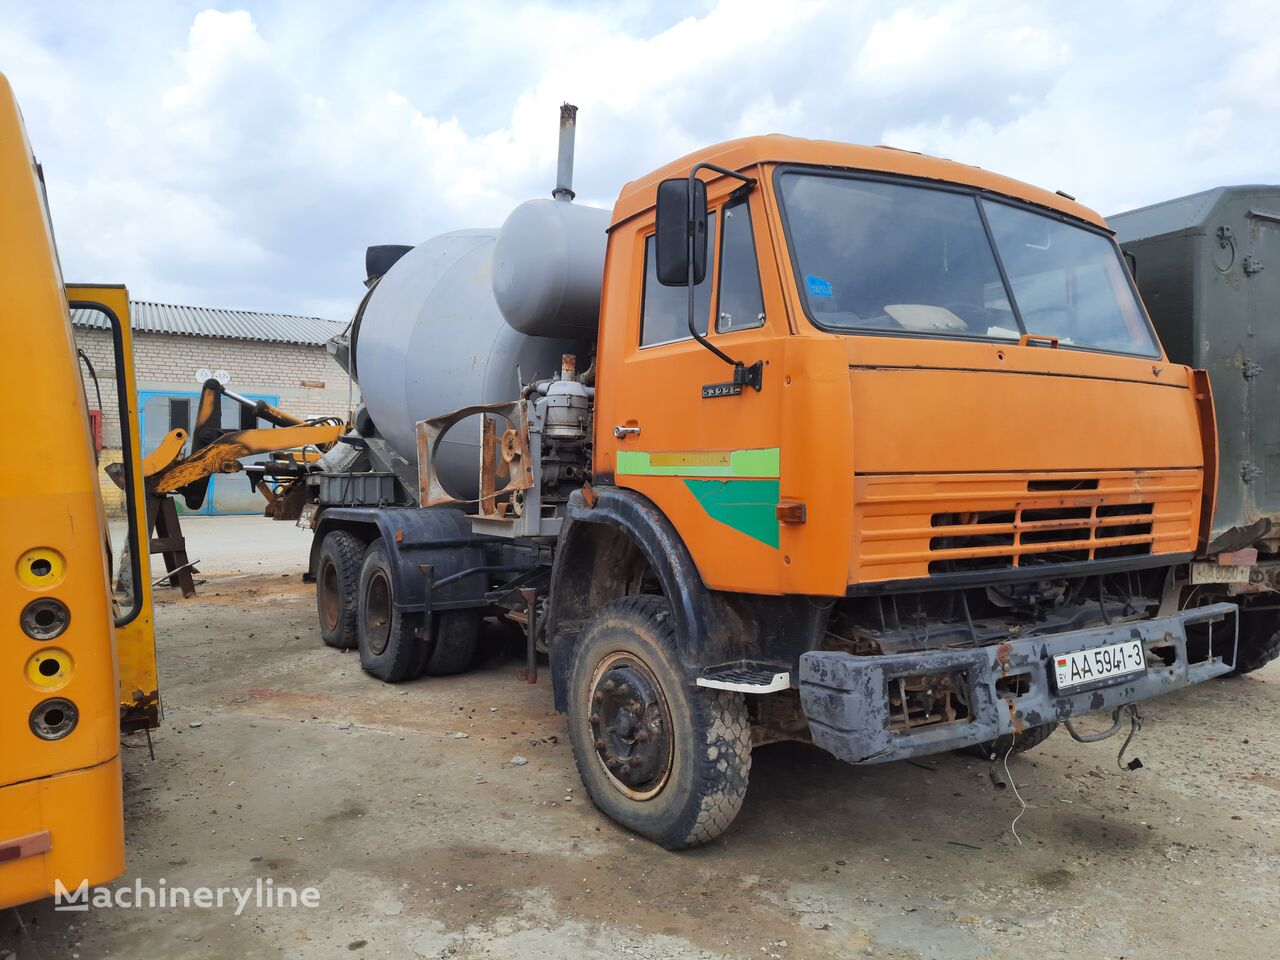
(801, 441)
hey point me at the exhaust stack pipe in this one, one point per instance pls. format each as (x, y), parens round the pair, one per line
(564, 165)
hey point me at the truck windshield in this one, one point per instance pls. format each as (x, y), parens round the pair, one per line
(917, 261)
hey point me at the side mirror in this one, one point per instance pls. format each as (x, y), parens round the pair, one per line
(1132, 261)
(672, 236)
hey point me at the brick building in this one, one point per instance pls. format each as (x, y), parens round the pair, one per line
(262, 356)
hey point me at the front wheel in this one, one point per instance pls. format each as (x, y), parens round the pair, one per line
(1259, 641)
(659, 756)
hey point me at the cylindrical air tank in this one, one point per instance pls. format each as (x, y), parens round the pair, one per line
(466, 317)
(547, 267)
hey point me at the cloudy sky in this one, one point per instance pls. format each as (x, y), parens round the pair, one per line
(245, 155)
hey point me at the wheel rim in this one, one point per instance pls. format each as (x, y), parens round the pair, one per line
(330, 595)
(377, 626)
(631, 726)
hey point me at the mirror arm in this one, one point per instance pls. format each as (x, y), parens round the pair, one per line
(742, 374)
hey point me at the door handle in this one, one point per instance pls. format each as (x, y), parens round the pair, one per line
(622, 432)
(1029, 338)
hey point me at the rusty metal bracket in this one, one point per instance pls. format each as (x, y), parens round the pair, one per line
(507, 454)
(530, 673)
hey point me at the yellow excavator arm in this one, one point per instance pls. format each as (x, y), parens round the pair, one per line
(223, 455)
(166, 470)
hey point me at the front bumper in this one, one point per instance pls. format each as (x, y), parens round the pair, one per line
(849, 705)
(80, 816)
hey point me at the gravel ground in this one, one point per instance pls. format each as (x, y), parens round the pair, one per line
(279, 759)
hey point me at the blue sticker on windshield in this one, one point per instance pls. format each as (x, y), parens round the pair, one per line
(818, 287)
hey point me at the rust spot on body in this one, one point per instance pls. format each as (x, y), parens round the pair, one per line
(141, 713)
(1002, 657)
(1018, 725)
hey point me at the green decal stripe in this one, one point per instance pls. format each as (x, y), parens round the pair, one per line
(765, 464)
(756, 463)
(748, 506)
(631, 463)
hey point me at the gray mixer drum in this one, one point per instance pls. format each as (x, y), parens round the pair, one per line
(432, 339)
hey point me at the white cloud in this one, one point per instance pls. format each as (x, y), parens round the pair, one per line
(246, 157)
(914, 50)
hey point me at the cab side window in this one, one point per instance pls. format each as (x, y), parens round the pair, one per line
(665, 316)
(740, 304)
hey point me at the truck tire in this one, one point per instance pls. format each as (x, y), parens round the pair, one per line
(390, 648)
(1259, 641)
(659, 756)
(337, 584)
(457, 634)
(1026, 740)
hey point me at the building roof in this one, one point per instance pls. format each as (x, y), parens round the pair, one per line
(639, 195)
(148, 317)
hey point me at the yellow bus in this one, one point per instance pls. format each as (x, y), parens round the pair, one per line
(76, 654)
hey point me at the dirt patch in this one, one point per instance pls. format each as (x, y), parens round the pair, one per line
(399, 803)
(237, 590)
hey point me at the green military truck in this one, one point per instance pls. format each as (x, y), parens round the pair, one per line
(1208, 268)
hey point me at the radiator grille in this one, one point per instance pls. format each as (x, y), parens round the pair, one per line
(1027, 536)
(912, 526)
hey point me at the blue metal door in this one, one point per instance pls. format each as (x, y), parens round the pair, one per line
(228, 493)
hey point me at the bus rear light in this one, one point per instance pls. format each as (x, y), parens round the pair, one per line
(49, 669)
(54, 719)
(41, 568)
(31, 845)
(45, 619)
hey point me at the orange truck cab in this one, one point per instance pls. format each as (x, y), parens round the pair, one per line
(883, 454)
(965, 459)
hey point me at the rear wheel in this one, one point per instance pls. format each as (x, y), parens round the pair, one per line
(1022, 742)
(337, 586)
(661, 757)
(390, 648)
(457, 634)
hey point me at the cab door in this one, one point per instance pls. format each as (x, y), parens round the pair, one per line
(712, 465)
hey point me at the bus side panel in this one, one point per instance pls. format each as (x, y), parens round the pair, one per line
(54, 549)
(82, 815)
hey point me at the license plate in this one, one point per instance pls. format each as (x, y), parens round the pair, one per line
(1099, 663)
(1220, 573)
